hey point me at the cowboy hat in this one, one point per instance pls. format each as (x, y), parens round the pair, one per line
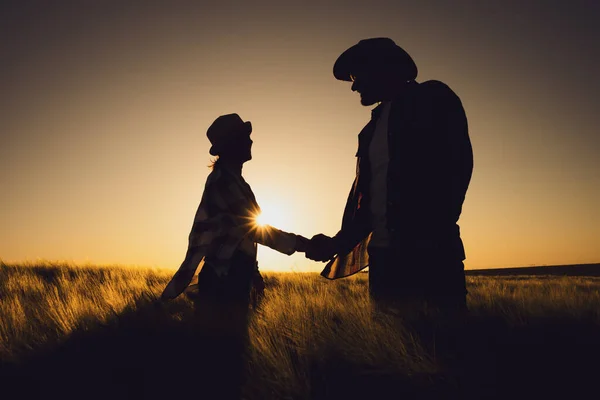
(224, 129)
(374, 53)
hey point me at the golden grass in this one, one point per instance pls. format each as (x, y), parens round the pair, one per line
(303, 323)
(519, 299)
(43, 304)
(305, 320)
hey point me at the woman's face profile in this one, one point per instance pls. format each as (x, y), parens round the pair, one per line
(239, 148)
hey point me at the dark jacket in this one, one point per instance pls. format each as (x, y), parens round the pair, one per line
(430, 166)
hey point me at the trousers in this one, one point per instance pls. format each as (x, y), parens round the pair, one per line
(222, 311)
(396, 278)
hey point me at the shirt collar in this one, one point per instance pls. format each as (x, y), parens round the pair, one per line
(377, 110)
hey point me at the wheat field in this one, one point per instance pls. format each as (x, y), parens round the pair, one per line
(69, 331)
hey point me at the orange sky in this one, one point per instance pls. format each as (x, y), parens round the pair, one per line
(104, 110)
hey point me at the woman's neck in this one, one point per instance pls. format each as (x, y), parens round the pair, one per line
(233, 166)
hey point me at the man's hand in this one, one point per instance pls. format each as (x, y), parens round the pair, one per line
(321, 248)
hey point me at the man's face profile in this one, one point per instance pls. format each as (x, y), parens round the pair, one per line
(369, 85)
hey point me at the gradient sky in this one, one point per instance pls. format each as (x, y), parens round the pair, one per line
(104, 107)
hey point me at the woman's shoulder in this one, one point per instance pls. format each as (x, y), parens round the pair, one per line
(217, 177)
(222, 182)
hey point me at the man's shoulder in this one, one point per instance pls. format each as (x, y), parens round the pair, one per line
(435, 88)
(435, 94)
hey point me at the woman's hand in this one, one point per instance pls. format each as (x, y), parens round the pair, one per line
(301, 244)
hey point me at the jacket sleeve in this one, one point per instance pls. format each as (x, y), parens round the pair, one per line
(444, 153)
(432, 169)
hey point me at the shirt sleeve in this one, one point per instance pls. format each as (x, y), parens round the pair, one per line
(241, 223)
(235, 220)
(184, 274)
(274, 238)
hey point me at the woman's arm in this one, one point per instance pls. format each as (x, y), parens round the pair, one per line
(276, 239)
(184, 274)
(236, 210)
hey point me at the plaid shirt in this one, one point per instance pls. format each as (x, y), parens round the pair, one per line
(225, 222)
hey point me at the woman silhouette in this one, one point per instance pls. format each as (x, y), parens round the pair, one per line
(225, 233)
(224, 236)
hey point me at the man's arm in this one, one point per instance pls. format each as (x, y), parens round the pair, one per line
(349, 236)
(356, 224)
(354, 230)
(431, 167)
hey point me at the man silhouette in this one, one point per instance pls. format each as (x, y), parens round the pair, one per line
(414, 164)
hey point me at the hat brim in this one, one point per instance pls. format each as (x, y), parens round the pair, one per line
(364, 56)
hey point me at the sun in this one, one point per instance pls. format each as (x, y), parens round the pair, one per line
(273, 215)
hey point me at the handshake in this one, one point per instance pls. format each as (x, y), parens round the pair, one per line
(319, 248)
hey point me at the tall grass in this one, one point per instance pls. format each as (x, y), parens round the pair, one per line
(40, 305)
(307, 329)
(521, 299)
(307, 323)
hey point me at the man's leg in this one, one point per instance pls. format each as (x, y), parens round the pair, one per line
(391, 285)
(378, 287)
(415, 285)
(447, 289)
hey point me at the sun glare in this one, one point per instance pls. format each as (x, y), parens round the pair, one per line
(272, 215)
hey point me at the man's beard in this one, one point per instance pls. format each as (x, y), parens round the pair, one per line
(367, 100)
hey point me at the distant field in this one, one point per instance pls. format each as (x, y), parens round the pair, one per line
(97, 332)
(566, 270)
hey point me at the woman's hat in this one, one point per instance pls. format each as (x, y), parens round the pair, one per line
(225, 129)
(374, 53)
